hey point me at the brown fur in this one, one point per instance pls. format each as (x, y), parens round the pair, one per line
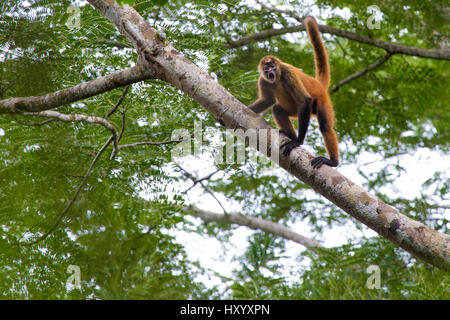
(298, 95)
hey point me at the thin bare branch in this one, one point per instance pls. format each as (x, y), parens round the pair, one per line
(265, 34)
(79, 117)
(362, 72)
(110, 113)
(287, 12)
(440, 54)
(124, 118)
(122, 97)
(200, 181)
(344, 52)
(74, 198)
(209, 176)
(255, 224)
(74, 117)
(432, 206)
(151, 143)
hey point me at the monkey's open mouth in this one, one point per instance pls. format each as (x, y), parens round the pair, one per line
(271, 75)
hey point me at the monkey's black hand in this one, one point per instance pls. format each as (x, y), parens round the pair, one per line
(317, 162)
(288, 146)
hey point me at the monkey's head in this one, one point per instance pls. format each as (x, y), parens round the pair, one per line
(269, 67)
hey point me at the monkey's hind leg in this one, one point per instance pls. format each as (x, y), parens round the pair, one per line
(304, 114)
(330, 141)
(283, 122)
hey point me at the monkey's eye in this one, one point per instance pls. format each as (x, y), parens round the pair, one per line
(268, 67)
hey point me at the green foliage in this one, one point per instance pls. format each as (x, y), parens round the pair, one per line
(121, 230)
(343, 273)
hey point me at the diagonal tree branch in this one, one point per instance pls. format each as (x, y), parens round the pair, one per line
(75, 93)
(255, 224)
(362, 72)
(156, 52)
(195, 181)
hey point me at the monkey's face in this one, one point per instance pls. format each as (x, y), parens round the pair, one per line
(269, 69)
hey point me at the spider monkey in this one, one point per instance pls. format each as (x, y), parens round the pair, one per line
(294, 94)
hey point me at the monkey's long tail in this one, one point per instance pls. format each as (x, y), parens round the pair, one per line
(320, 53)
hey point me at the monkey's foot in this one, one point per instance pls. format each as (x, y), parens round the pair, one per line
(288, 146)
(317, 162)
